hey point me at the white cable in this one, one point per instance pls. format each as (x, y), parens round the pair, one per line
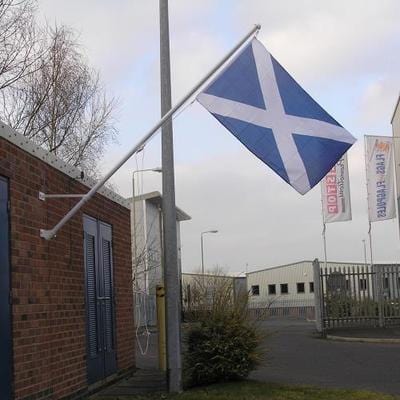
(146, 332)
(141, 295)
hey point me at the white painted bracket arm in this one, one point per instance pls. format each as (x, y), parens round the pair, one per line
(43, 196)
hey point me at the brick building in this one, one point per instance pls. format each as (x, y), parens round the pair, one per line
(66, 305)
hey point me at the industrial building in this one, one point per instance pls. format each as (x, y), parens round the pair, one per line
(396, 135)
(147, 233)
(285, 289)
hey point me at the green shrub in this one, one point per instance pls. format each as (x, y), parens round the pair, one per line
(222, 344)
(221, 350)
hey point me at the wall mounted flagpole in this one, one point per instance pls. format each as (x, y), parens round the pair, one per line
(49, 234)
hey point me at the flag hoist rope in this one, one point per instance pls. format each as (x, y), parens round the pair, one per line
(49, 234)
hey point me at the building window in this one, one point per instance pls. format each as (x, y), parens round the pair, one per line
(363, 284)
(271, 289)
(255, 290)
(386, 283)
(311, 287)
(300, 287)
(284, 288)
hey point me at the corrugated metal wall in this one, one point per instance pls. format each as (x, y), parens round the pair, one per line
(396, 133)
(290, 275)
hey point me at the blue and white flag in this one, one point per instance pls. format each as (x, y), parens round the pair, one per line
(270, 113)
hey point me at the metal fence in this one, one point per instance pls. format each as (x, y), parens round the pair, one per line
(357, 296)
(282, 308)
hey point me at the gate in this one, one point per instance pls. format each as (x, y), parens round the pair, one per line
(357, 295)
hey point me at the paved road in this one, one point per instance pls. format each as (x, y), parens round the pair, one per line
(296, 355)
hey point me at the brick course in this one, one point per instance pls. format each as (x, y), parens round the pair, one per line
(48, 282)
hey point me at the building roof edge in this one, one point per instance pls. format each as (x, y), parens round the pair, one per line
(26, 144)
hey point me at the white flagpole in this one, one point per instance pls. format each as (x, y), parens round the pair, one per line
(49, 234)
(370, 242)
(323, 228)
(324, 237)
(368, 208)
(377, 273)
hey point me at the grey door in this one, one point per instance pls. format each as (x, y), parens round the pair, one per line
(101, 355)
(5, 307)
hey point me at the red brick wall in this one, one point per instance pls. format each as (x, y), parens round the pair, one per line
(48, 282)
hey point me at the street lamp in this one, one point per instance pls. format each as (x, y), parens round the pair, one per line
(202, 248)
(156, 169)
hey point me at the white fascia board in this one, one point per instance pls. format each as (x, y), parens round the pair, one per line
(37, 151)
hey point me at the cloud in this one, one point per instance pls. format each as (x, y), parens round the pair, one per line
(323, 39)
(262, 221)
(345, 53)
(115, 34)
(378, 101)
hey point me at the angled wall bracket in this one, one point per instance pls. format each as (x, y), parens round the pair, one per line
(43, 196)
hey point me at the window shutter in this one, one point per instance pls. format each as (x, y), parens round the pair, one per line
(108, 316)
(95, 363)
(101, 355)
(91, 295)
(108, 294)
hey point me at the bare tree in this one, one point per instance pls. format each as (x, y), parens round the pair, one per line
(62, 105)
(210, 294)
(19, 51)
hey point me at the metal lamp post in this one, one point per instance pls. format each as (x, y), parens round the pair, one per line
(156, 169)
(202, 248)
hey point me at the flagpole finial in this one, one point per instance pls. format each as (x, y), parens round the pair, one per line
(258, 27)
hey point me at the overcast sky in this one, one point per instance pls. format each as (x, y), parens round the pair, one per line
(345, 54)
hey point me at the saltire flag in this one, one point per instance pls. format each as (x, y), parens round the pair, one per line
(269, 112)
(335, 193)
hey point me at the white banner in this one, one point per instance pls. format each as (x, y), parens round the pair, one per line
(335, 192)
(380, 178)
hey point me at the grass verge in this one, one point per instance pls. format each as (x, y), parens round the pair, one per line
(250, 390)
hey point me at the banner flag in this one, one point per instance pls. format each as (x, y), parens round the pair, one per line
(335, 192)
(380, 178)
(257, 100)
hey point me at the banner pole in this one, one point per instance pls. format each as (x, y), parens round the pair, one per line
(49, 234)
(368, 207)
(377, 276)
(324, 237)
(370, 242)
(323, 225)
